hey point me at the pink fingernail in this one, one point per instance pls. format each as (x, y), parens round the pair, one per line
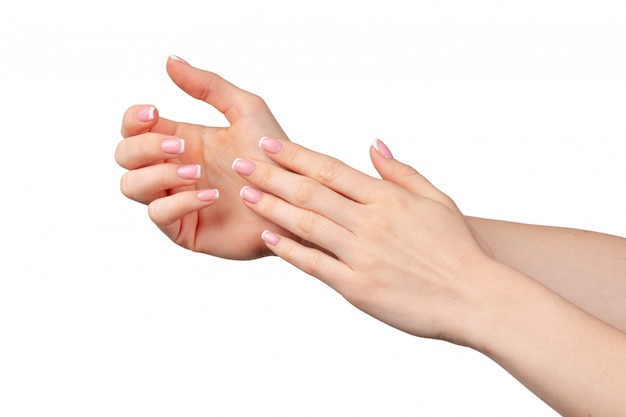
(270, 237)
(179, 59)
(382, 148)
(145, 114)
(250, 195)
(243, 166)
(208, 195)
(173, 145)
(189, 172)
(270, 145)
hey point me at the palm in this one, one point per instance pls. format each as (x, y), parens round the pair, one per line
(226, 229)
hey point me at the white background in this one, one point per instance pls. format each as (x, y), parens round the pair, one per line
(515, 109)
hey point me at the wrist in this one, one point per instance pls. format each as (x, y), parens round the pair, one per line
(496, 297)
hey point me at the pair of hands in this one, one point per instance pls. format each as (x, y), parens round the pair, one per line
(397, 247)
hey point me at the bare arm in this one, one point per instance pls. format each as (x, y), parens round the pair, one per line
(571, 360)
(586, 268)
(402, 252)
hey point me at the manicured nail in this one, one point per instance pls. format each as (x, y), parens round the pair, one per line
(189, 172)
(173, 145)
(250, 195)
(270, 237)
(145, 114)
(270, 145)
(243, 166)
(179, 59)
(382, 148)
(208, 195)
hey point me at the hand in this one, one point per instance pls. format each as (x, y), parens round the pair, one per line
(184, 207)
(398, 248)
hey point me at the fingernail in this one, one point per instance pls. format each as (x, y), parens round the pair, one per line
(173, 145)
(250, 195)
(243, 166)
(146, 114)
(177, 58)
(270, 237)
(208, 195)
(189, 172)
(382, 148)
(270, 145)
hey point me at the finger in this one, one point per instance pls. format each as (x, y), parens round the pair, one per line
(209, 87)
(313, 261)
(147, 149)
(324, 169)
(147, 184)
(139, 119)
(401, 174)
(305, 224)
(166, 211)
(144, 118)
(299, 190)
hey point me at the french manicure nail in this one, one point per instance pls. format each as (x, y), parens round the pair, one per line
(145, 114)
(189, 172)
(243, 166)
(270, 145)
(250, 195)
(173, 145)
(382, 148)
(208, 195)
(270, 237)
(177, 58)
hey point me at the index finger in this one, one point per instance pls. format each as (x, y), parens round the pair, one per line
(326, 170)
(140, 119)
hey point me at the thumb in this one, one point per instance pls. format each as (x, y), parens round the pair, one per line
(399, 173)
(209, 87)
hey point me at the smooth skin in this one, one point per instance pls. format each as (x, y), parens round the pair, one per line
(400, 250)
(228, 229)
(584, 268)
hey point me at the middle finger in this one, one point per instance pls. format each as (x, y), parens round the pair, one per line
(300, 191)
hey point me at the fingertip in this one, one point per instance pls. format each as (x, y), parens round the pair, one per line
(270, 238)
(178, 59)
(139, 119)
(146, 113)
(208, 195)
(380, 146)
(270, 145)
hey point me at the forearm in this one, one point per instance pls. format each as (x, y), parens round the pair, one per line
(571, 360)
(586, 268)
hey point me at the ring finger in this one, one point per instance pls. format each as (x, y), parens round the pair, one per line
(305, 224)
(148, 183)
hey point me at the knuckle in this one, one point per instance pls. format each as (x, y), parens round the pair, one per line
(163, 213)
(407, 170)
(119, 155)
(291, 155)
(257, 101)
(126, 185)
(306, 223)
(314, 263)
(153, 212)
(268, 207)
(264, 175)
(305, 192)
(328, 170)
(377, 224)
